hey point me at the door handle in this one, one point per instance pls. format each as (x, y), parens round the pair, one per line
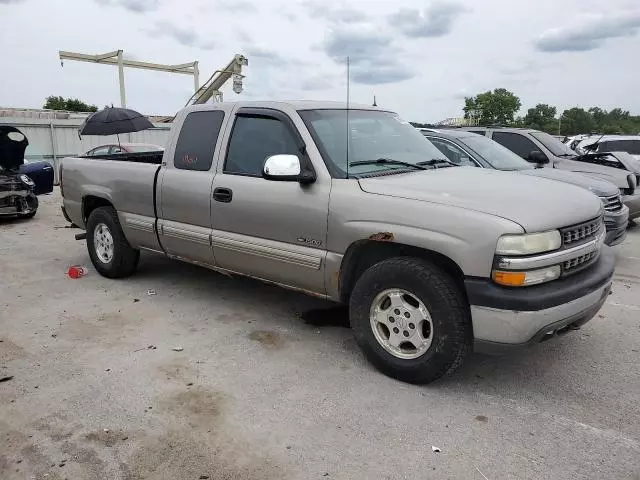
(222, 194)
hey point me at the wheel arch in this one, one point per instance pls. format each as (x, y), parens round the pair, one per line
(92, 201)
(363, 254)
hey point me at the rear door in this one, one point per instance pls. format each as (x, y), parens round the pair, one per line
(184, 224)
(274, 230)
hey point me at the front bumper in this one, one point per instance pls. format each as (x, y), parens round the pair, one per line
(18, 204)
(633, 202)
(616, 225)
(506, 318)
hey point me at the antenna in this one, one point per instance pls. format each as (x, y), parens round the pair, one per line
(348, 127)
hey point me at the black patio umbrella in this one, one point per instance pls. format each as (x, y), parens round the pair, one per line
(113, 121)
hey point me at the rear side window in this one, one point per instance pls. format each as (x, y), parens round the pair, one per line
(197, 140)
(100, 151)
(253, 140)
(517, 143)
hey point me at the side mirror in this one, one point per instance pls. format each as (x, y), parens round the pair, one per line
(536, 156)
(285, 168)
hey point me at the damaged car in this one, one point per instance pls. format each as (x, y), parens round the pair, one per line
(17, 190)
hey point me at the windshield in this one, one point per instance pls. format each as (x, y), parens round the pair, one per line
(554, 145)
(373, 135)
(629, 146)
(499, 157)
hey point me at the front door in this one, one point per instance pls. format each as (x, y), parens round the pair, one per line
(185, 189)
(273, 230)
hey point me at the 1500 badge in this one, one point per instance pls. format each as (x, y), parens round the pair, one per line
(310, 241)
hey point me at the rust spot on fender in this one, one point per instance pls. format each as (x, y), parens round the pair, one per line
(382, 237)
(335, 279)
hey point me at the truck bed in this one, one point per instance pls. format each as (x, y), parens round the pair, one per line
(129, 185)
(138, 157)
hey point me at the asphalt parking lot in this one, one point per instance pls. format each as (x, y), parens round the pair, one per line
(227, 378)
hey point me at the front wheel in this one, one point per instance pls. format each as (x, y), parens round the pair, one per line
(110, 252)
(32, 203)
(411, 320)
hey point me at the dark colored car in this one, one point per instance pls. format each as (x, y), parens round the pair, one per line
(41, 172)
(17, 190)
(465, 148)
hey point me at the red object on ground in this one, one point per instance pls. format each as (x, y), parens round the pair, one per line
(77, 271)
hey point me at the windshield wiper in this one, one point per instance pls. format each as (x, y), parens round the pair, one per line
(567, 155)
(387, 161)
(437, 161)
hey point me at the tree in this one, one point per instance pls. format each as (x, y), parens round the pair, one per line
(497, 107)
(576, 120)
(541, 117)
(68, 104)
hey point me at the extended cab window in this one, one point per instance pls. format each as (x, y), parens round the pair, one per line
(197, 140)
(515, 142)
(253, 140)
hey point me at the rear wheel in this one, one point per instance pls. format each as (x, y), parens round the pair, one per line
(411, 320)
(110, 252)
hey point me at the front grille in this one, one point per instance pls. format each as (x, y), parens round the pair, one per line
(582, 232)
(612, 204)
(580, 262)
(12, 184)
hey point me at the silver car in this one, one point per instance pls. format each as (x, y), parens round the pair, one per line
(543, 149)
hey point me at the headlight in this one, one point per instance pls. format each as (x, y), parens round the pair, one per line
(27, 181)
(529, 243)
(530, 277)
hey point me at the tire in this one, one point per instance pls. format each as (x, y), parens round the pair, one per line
(121, 260)
(35, 208)
(449, 327)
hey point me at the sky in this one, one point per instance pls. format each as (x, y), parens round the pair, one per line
(419, 58)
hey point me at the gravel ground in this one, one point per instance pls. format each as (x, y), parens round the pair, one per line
(268, 384)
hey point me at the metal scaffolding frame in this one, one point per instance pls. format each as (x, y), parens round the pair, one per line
(116, 58)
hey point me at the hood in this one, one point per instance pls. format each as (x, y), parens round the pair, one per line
(537, 204)
(614, 175)
(629, 161)
(597, 186)
(12, 146)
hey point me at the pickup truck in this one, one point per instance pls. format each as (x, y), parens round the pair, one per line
(356, 206)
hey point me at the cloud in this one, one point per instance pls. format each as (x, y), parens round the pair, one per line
(317, 82)
(374, 59)
(184, 36)
(589, 32)
(340, 14)
(138, 6)
(7, 2)
(436, 21)
(264, 55)
(292, 17)
(235, 6)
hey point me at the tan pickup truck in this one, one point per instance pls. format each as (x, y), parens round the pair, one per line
(355, 206)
